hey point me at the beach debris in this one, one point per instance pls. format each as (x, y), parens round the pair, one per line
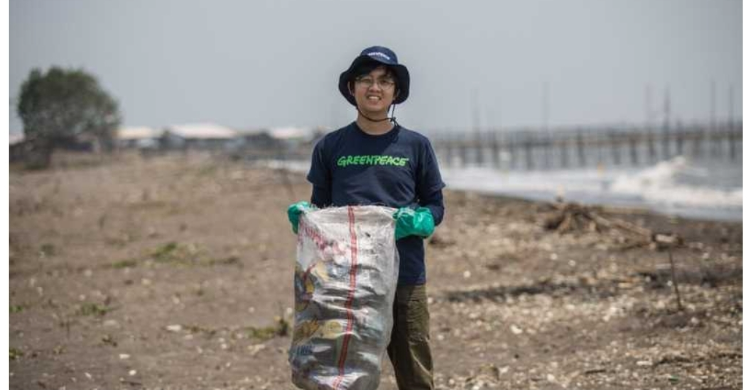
(485, 376)
(174, 328)
(111, 323)
(666, 241)
(573, 216)
(439, 240)
(570, 217)
(109, 340)
(516, 330)
(255, 348)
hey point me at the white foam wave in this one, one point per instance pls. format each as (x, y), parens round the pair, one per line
(554, 183)
(660, 184)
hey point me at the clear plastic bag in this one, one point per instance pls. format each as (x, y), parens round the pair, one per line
(344, 284)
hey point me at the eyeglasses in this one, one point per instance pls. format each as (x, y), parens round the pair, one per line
(367, 82)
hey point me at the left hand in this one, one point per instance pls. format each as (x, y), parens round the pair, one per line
(417, 222)
(293, 212)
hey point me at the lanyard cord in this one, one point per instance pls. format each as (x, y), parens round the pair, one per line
(392, 118)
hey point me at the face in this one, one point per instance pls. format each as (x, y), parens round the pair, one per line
(374, 92)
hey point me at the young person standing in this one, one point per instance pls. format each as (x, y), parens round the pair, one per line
(376, 161)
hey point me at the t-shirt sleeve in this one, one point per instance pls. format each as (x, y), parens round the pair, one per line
(320, 173)
(429, 179)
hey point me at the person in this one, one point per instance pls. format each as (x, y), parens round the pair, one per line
(376, 161)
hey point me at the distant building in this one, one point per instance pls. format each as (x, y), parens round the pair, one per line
(291, 134)
(14, 138)
(202, 136)
(18, 146)
(258, 139)
(139, 137)
(275, 143)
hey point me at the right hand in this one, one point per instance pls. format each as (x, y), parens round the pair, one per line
(294, 211)
(417, 222)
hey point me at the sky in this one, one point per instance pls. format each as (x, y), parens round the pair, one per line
(489, 64)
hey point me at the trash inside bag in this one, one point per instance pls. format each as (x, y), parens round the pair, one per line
(344, 283)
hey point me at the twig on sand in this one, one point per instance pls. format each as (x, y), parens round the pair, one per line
(674, 281)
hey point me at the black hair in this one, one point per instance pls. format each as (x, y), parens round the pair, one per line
(367, 67)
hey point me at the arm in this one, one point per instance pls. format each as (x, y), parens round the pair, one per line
(320, 177)
(429, 192)
(434, 201)
(321, 196)
(430, 185)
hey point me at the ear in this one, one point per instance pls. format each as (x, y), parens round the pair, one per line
(351, 90)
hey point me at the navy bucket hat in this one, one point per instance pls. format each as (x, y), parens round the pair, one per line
(384, 56)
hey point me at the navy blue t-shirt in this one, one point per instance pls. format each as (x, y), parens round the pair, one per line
(396, 169)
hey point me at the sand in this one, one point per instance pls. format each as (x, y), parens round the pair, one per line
(176, 272)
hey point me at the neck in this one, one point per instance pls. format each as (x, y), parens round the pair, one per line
(372, 127)
(374, 124)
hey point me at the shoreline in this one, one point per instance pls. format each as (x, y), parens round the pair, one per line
(142, 270)
(615, 209)
(613, 201)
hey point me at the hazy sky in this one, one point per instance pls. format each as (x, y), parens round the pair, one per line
(249, 64)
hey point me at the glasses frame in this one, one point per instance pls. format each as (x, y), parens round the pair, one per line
(384, 83)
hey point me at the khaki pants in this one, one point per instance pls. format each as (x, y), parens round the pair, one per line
(409, 349)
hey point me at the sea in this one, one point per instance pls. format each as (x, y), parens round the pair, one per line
(680, 186)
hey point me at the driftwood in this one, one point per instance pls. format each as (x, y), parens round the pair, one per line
(572, 216)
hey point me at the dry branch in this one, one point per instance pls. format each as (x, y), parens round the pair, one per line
(572, 216)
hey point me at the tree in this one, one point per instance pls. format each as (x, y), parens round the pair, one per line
(63, 106)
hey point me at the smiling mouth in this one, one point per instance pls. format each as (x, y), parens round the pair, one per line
(373, 98)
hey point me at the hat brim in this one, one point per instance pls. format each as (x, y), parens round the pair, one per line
(402, 79)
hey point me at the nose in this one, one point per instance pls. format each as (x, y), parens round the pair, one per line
(375, 86)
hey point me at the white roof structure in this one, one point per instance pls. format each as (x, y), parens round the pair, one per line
(135, 133)
(202, 131)
(289, 132)
(14, 138)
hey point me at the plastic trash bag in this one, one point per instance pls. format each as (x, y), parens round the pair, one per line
(344, 283)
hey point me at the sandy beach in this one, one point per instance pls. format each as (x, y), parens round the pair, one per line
(176, 272)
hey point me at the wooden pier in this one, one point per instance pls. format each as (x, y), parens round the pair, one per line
(532, 149)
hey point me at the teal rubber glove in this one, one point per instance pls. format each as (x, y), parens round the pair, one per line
(417, 222)
(294, 211)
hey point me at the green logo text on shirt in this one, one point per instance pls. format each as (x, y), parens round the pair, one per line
(344, 161)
